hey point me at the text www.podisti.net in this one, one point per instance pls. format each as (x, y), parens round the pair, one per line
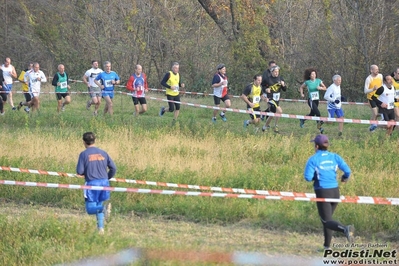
(360, 257)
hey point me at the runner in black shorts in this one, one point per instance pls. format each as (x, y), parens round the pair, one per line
(251, 96)
(25, 87)
(28, 97)
(61, 85)
(372, 104)
(273, 87)
(138, 86)
(220, 89)
(173, 102)
(372, 83)
(171, 81)
(59, 96)
(137, 101)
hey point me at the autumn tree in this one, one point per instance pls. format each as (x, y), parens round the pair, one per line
(245, 25)
(343, 36)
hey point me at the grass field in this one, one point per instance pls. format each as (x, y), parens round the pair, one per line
(42, 226)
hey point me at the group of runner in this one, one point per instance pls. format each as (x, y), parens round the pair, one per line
(31, 79)
(269, 86)
(383, 96)
(382, 92)
(100, 84)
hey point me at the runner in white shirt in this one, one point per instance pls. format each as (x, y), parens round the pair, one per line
(384, 97)
(334, 105)
(9, 73)
(94, 90)
(35, 77)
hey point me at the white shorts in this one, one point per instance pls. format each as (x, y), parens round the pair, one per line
(34, 93)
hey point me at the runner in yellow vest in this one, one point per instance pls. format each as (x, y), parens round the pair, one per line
(25, 87)
(171, 81)
(372, 83)
(251, 96)
(395, 83)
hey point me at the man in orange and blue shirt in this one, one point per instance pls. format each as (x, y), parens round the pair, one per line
(138, 85)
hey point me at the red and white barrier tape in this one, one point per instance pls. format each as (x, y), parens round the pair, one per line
(291, 116)
(173, 185)
(237, 96)
(358, 200)
(218, 189)
(281, 194)
(31, 171)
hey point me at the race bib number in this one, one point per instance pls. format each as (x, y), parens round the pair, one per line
(108, 83)
(63, 85)
(276, 96)
(139, 88)
(314, 95)
(175, 88)
(391, 105)
(256, 99)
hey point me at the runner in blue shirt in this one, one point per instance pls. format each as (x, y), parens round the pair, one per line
(106, 81)
(93, 163)
(321, 168)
